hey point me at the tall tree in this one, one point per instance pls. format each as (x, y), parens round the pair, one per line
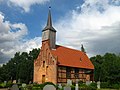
(19, 67)
(107, 68)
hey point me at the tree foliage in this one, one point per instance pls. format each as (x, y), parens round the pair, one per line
(20, 67)
(107, 68)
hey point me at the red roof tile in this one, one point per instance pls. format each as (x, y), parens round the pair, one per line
(72, 58)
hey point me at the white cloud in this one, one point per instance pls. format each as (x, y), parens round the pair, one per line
(96, 25)
(1, 1)
(26, 4)
(12, 39)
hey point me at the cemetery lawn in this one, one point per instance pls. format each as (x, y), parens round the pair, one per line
(107, 89)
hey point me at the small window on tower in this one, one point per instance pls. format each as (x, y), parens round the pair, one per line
(43, 64)
(53, 62)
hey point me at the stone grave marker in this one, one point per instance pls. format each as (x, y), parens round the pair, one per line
(88, 83)
(67, 88)
(18, 80)
(14, 87)
(60, 86)
(23, 85)
(14, 81)
(69, 82)
(76, 87)
(49, 87)
(30, 82)
(98, 84)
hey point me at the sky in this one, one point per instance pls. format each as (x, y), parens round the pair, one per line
(93, 23)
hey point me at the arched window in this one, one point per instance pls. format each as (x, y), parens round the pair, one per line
(76, 74)
(68, 72)
(43, 64)
(51, 60)
(46, 69)
(48, 58)
(53, 63)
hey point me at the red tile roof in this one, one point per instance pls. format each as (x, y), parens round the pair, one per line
(72, 58)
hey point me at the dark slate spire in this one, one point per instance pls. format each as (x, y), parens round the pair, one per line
(82, 49)
(49, 22)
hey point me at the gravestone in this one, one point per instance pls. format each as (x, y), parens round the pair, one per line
(15, 87)
(67, 88)
(69, 82)
(18, 80)
(30, 82)
(98, 84)
(49, 87)
(88, 83)
(23, 85)
(14, 81)
(76, 87)
(60, 86)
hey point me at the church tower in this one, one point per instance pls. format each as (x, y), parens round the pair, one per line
(49, 33)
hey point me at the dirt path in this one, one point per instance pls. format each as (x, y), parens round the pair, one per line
(4, 89)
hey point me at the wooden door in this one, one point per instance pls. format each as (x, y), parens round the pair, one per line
(43, 78)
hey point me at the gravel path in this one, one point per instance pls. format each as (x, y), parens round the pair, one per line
(4, 89)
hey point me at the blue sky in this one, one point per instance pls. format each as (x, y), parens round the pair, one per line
(94, 23)
(36, 18)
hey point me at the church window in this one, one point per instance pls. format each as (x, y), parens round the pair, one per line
(76, 73)
(43, 64)
(49, 58)
(46, 56)
(46, 69)
(68, 72)
(53, 62)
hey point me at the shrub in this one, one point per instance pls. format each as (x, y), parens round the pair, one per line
(93, 86)
(72, 87)
(36, 86)
(116, 86)
(104, 85)
(80, 83)
(9, 84)
(2, 85)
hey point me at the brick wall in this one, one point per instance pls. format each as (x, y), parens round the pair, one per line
(45, 68)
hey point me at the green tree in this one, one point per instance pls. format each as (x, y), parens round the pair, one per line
(19, 67)
(107, 68)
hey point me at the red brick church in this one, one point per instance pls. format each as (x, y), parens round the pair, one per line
(57, 64)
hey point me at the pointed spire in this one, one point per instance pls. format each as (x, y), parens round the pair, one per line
(82, 48)
(49, 22)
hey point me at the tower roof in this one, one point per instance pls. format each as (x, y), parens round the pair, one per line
(49, 23)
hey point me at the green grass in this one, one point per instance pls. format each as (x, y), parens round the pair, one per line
(107, 89)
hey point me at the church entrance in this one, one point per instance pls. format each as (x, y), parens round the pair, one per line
(43, 78)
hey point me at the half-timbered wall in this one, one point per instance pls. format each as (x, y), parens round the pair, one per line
(74, 74)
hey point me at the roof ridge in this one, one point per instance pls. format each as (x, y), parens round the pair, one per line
(70, 48)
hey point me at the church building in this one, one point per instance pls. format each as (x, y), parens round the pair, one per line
(57, 64)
